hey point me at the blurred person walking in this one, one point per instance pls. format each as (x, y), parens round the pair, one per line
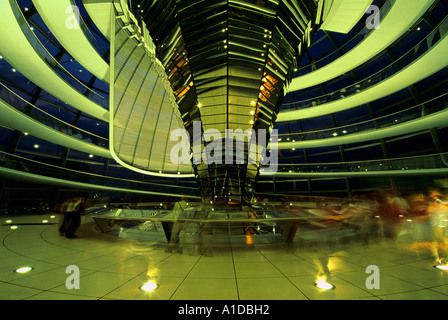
(438, 218)
(72, 209)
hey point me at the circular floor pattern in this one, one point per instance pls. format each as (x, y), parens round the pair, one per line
(111, 267)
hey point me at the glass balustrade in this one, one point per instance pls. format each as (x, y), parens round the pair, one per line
(347, 46)
(433, 161)
(399, 64)
(49, 120)
(418, 111)
(30, 166)
(40, 49)
(95, 41)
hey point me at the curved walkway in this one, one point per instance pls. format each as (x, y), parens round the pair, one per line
(27, 177)
(17, 120)
(432, 61)
(399, 19)
(350, 174)
(16, 48)
(99, 12)
(437, 119)
(55, 14)
(14, 119)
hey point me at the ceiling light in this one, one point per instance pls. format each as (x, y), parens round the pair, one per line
(26, 133)
(335, 134)
(36, 146)
(252, 103)
(13, 227)
(90, 155)
(252, 112)
(199, 105)
(23, 269)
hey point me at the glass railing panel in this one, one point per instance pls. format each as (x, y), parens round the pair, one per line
(20, 163)
(346, 47)
(432, 161)
(100, 44)
(399, 64)
(51, 61)
(49, 120)
(415, 112)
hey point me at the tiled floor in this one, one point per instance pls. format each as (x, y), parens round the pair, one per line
(115, 268)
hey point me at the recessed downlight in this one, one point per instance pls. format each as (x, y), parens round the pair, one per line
(23, 269)
(443, 267)
(323, 285)
(149, 286)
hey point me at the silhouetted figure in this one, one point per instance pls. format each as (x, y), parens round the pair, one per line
(72, 210)
(438, 217)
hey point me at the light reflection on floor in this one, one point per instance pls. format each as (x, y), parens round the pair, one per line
(240, 267)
